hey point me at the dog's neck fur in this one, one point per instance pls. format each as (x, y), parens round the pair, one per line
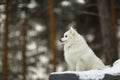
(81, 41)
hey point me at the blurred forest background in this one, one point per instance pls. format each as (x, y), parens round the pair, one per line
(30, 31)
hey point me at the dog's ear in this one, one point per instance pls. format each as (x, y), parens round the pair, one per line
(71, 28)
(72, 31)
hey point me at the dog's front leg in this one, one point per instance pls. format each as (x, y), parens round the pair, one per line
(80, 66)
(71, 67)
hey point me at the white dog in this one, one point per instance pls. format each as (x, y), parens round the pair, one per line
(78, 54)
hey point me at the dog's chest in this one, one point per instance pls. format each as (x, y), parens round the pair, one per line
(75, 52)
(71, 54)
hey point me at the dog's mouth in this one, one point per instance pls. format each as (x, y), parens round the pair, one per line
(60, 40)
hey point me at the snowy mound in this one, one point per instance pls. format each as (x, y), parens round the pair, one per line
(96, 74)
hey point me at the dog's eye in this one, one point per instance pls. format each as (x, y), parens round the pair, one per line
(66, 36)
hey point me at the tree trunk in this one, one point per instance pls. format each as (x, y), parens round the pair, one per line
(114, 22)
(108, 37)
(23, 40)
(5, 44)
(52, 34)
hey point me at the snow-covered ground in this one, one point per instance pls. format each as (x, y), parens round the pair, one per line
(96, 74)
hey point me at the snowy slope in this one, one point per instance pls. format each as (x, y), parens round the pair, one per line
(96, 74)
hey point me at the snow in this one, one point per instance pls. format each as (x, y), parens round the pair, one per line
(32, 4)
(96, 74)
(81, 1)
(116, 63)
(66, 3)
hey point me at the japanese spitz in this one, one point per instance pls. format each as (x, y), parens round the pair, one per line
(78, 55)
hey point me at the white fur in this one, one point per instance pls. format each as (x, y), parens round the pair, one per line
(78, 54)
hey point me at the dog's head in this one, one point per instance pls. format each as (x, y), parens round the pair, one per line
(69, 36)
